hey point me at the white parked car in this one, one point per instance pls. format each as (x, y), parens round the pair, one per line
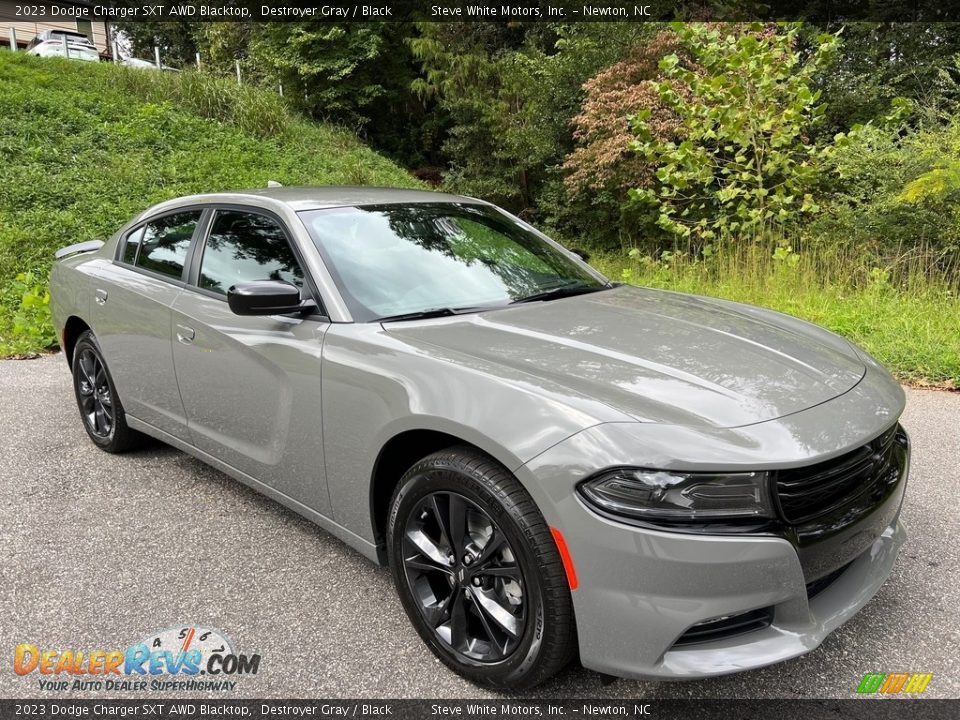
(145, 64)
(63, 43)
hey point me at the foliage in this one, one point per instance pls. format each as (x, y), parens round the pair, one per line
(508, 92)
(896, 190)
(602, 168)
(338, 66)
(880, 61)
(31, 316)
(743, 163)
(177, 39)
(359, 75)
(934, 185)
(87, 147)
(245, 107)
(603, 159)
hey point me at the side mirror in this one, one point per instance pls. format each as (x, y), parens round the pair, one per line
(582, 254)
(264, 297)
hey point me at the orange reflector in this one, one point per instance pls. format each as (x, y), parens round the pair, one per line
(565, 557)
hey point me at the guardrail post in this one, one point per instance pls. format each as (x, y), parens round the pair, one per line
(13, 38)
(66, 48)
(198, 61)
(238, 72)
(156, 55)
(280, 85)
(116, 51)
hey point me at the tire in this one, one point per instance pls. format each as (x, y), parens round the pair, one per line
(508, 563)
(100, 408)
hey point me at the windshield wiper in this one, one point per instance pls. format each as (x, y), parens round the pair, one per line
(423, 314)
(560, 292)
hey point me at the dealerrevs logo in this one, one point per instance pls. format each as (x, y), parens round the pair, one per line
(189, 657)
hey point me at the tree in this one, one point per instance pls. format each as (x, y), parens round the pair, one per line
(880, 61)
(507, 92)
(603, 158)
(743, 163)
(177, 39)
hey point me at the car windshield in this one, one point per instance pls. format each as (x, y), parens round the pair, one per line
(395, 260)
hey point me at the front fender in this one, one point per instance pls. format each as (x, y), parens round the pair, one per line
(376, 387)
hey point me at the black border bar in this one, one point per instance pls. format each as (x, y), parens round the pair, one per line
(340, 11)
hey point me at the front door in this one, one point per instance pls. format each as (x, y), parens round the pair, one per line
(251, 385)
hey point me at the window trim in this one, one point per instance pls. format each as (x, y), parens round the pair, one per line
(122, 245)
(195, 256)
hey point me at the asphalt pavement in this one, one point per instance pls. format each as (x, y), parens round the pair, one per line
(100, 551)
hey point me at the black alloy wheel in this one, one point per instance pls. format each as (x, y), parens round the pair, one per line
(94, 395)
(100, 407)
(478, 572)
(463, 573)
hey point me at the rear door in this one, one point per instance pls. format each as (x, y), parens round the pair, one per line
(251, 385)
(131, 317)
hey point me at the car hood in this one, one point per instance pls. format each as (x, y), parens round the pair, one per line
(655, 356)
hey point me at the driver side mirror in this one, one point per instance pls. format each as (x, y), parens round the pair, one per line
(265, 297)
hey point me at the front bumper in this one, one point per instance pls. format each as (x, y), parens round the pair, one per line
(641, 589)
(632, 633)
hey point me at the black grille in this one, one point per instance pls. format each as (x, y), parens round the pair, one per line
(809, 492)
(727, 626)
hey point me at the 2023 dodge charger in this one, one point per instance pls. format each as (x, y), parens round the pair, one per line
(671, 485)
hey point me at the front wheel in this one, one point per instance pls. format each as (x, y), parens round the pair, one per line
(478, 572)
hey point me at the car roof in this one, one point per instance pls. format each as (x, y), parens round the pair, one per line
(317, 198)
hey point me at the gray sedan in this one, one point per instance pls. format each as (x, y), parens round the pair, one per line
(552, 464)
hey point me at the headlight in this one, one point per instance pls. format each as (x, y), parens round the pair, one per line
(660, 496)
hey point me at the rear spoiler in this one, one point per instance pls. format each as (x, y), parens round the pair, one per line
(84, 247)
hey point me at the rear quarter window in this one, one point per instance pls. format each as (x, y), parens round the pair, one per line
(132, 245)
(164, 243)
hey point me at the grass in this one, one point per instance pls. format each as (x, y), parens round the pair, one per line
(905, 313)
(85, 147)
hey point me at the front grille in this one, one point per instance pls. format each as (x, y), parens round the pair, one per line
(809, 492)
(726, 627)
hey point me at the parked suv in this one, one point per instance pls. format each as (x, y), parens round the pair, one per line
(63, 43)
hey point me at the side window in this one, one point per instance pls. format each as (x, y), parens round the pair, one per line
(165, 242)
(244, 246)
(132, 245)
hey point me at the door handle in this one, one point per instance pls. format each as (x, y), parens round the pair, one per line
(100, 296)
(185, 334)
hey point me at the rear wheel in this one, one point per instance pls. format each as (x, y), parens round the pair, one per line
(478, 572)
(100, 408)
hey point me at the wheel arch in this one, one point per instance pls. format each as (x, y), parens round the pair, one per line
(399, 453)
(72, 329)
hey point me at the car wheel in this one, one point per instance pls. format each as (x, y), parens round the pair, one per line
(100, 408)
(478, 572)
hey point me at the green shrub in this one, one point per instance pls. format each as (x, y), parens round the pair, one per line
(31, 318)
(894, 194)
